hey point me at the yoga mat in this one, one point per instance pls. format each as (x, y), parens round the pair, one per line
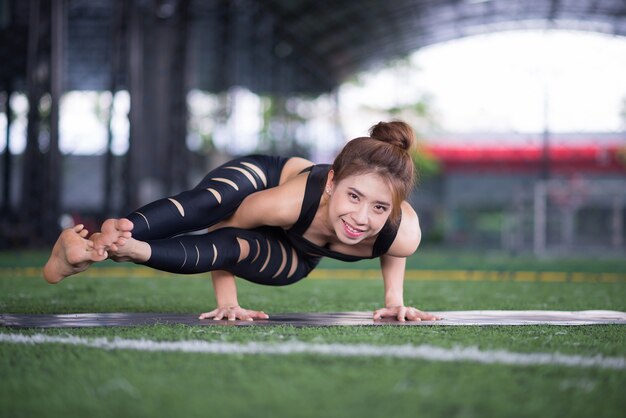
(458, 318)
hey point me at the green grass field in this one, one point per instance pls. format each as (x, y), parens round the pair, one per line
(52, 380)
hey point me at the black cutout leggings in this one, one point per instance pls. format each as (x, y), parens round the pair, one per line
(272, 260)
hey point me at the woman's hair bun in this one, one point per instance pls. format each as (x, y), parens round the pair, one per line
(396, 133)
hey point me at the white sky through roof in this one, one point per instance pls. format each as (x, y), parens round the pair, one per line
(508, 82)
(501, 82)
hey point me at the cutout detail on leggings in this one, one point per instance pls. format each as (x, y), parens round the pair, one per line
(227, 181)
(185, 260)
(178, 206)
(144, 218)
(245, 173)
(294, 263)
(214, 254)
(197, 255)
(257, 170)
(217, 195)
(258, 250)
(242, 242)
(269, 254)
(283, 262)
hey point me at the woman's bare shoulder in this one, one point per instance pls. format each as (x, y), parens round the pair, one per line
(293, 167)
(409, 233)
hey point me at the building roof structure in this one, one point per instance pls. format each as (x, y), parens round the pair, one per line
(284, 46)
(160, 49)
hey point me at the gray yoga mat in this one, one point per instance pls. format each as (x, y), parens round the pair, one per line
(458, 318)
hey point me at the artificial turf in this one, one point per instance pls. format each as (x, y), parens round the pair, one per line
(57, 380)
(54, 381)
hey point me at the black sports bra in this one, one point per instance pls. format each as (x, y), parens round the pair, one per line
(313, 192)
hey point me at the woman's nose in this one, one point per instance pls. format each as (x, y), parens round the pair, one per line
(360, 215)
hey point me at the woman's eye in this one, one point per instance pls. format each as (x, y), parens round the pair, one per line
(380, 208)
(353, 196)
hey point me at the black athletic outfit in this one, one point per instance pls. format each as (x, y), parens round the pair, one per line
(277, 256)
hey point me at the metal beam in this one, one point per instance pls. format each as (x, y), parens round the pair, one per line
(54, 175)
(117, 35)
(8, 157)
(32, 167)
(176, 142)
(133, 164)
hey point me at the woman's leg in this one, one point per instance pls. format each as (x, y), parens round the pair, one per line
(214, 199)
(262, 255)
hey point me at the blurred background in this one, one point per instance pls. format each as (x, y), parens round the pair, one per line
(520, 108)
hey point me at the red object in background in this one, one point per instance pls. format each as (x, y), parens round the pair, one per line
(561, 159)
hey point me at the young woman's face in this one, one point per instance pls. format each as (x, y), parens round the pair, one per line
(359, 206)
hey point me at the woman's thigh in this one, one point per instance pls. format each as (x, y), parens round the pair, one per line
(214, 199)
(262, 255)
(271, 259)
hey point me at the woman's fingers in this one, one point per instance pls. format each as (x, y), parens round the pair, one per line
(423, 316)
(258, 315)
(403, 313)
(385, 312)
(245, 315)
(413, 314)
(233, 314)
(208, 315)
(430, 317)
(401, 316)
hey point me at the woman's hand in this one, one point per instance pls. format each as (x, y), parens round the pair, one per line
(233, 313)
(403, 313)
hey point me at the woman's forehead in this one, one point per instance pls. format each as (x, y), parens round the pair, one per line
(369, 183)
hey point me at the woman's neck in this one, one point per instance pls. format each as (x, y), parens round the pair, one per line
(321, 228)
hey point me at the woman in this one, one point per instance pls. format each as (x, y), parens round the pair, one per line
(270, 220)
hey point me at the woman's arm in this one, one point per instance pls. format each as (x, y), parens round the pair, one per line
(392, 269)
(393, 276)
(393, 265)
(226, 297)
(279, 206)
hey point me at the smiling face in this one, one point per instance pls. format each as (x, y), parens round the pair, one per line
(358, 206)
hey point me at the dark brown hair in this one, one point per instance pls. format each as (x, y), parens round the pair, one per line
(386, 152)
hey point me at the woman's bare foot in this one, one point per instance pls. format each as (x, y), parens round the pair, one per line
(113, 233)
(71, 254)
(130, 249)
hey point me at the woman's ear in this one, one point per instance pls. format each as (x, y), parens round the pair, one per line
(329, 182)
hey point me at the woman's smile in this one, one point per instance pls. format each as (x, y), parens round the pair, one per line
(351, 231)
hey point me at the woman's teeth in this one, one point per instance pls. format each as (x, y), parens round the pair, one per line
(351, 229)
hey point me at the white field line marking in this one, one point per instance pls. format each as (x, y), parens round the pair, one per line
(420, 352)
